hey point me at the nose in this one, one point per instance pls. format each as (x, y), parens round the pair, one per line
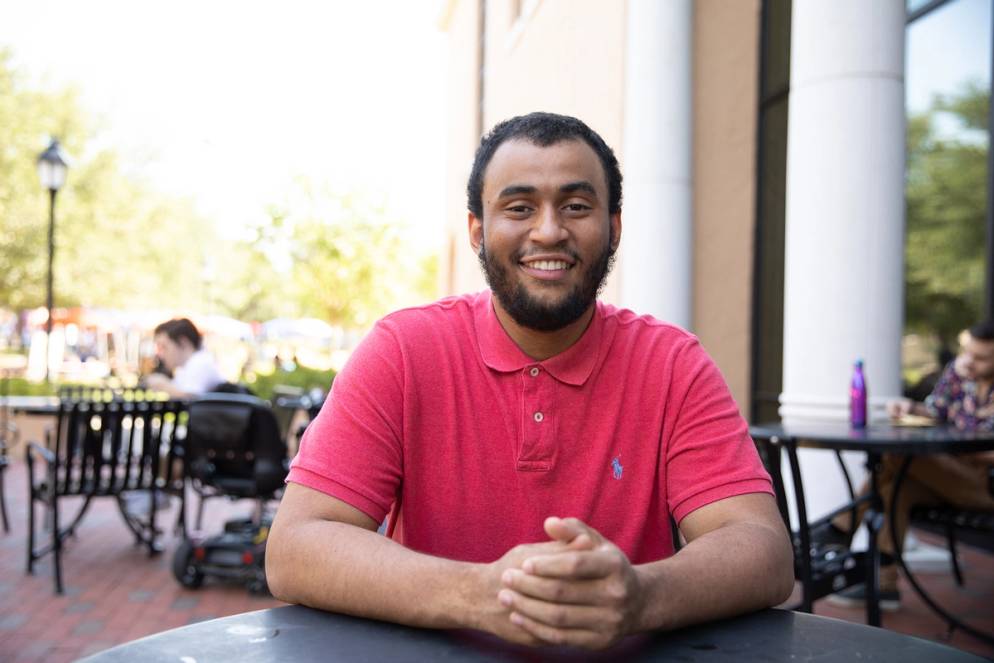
(548, 228)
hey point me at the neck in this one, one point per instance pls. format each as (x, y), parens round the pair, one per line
(540, 345)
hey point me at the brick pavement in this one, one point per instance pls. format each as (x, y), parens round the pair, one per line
(115, 592)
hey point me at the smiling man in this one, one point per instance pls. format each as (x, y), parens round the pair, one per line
(528, 445)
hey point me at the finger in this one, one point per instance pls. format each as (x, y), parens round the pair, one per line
(558, 615)
(553, 590)
(584, 564)
(553, 635)
(570, 530)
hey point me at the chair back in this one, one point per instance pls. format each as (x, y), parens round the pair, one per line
(234, 444)
(108, 447)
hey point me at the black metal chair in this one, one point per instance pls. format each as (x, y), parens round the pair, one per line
(119, 449)
(954, 522)
(234, 448)
(9, 438)
(821, 570)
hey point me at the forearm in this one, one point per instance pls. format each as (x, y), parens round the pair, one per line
(344, 568)
(732, 570)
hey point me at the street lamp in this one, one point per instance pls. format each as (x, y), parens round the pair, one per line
(52, 166)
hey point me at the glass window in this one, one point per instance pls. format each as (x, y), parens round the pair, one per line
(948, 85)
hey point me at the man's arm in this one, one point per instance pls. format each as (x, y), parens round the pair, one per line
(159, 382)
(324, 553)
(738, 558)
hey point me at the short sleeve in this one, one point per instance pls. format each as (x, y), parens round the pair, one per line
(709, 454)
(943, 394)
(353, 449)
(198, 375)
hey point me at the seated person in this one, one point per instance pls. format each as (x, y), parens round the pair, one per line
(963, 397)
(178, 348)
(529, 444)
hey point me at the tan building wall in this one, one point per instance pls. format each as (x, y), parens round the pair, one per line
(568, 56)
(726, 91)
(458, 269)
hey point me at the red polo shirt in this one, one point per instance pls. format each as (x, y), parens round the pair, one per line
(441, 420)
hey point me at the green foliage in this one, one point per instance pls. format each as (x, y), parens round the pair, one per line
(23, 387)
(946, 201)
(349, 262)
(264, 384)
(118, 244)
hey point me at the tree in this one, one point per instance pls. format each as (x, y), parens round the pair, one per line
(344, 258)
(118, 244)
(946, 202)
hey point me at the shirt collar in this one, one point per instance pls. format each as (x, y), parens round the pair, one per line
(572, 366)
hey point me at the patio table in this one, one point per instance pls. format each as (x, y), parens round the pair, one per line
(296, 633)
(874, 441)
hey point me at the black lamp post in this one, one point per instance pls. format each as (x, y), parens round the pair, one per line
(52, 166)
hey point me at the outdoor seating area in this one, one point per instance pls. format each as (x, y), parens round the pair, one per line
(116, 593)
(478, 330)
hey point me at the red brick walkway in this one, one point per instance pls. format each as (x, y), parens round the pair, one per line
(116, 593)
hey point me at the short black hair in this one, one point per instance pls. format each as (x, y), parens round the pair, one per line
(983, 331)
(178, 328)
(542, 129)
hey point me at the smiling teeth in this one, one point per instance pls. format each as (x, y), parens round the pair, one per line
(549, 265)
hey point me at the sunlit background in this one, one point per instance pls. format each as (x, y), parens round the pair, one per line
(232, 161)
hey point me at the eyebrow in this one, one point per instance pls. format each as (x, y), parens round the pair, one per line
(582, 185)
(571, 187)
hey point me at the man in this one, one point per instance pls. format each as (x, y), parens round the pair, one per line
(963, 397)
(530, 444)
(178, 347)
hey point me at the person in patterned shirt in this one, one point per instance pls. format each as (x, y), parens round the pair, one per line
(964, 398)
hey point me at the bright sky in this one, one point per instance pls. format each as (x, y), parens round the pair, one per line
(947, 48)
(227, 101)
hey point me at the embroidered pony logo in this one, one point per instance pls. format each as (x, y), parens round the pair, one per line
(616, 467)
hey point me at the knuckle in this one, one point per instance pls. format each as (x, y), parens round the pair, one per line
(559, 616)
(617, 591)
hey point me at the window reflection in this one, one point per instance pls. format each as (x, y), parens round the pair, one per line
(948, 83)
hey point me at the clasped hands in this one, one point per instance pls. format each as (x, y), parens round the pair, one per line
(578, 589)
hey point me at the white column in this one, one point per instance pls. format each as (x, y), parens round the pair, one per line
(657, 239)
(843, 275)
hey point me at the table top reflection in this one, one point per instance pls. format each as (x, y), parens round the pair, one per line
(295, 633)
(878, 438)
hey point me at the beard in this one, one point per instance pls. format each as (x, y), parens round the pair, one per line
(534, 313)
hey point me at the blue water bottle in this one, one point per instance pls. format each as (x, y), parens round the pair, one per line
(857, 397)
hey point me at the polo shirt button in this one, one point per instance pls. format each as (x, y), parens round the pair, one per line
(539, 417)
(534, 371)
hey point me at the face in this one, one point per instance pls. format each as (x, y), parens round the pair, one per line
(547, 240)
(169, 352)
(977, 359)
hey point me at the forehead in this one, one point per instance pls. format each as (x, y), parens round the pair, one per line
(162, 338)
(521, 162)
(980, 348)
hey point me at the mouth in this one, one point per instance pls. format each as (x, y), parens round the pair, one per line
(547, 268)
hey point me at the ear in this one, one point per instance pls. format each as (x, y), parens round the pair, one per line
(615, 221)
(475, 232)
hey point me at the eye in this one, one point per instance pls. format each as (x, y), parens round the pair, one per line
(577, 208)
(518, 210)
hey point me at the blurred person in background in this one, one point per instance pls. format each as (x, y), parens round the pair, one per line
(179, 350)
(962, 397)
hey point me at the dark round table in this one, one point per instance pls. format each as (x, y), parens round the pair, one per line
(295, 633)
